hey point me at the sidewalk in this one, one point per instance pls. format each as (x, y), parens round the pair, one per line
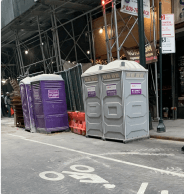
(7, 121)
(174, 130)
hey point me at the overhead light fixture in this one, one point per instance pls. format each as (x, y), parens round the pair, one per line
(42, 43)
(68, 61)
(3, 81)
(88, 52)
(101, 30)
(103, 2)
(26, 52)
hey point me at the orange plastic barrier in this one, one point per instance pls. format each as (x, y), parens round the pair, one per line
(77, 122)
(12, 111)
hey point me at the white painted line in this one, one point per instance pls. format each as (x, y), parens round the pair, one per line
(164, 192)
(18, 136)
(89, 169)
(138, 153)
(58, 178)
(85, 177)
(142, 188)
(109, 186)
(105, 158)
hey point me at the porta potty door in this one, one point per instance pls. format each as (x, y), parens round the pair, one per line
(25, 107)
(92, 106)
(30, 107)
(54, 105)
(136, 105)
(38, 106)
(112, 106)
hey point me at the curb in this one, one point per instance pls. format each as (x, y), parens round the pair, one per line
(167, 138)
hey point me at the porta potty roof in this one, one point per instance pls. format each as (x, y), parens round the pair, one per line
(118, 65)
(46, 77)
(26, 80)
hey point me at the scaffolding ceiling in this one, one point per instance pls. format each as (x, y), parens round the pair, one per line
(26, 23)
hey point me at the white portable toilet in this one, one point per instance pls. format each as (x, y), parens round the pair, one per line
(123, 99)
(92, 101)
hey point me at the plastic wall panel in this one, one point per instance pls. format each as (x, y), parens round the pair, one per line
(92, 105)
(37, 105)
(112, 108)
(136, 108)
(25, 106)
(30, 107)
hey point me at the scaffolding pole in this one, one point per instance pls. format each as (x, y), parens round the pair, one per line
(93, 42)
(41, 45)
(57, 41)
(74, 42)
(106, 34)
(54, 43)
(19, 53)
(89, 36)
(116, 28)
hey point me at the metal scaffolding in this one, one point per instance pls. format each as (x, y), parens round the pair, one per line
(39, 34)
(47, 34)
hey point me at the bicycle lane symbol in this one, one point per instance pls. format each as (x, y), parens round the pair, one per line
(84, 176)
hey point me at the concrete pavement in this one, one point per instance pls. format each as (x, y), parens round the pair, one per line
(68, 163)
(174, 130)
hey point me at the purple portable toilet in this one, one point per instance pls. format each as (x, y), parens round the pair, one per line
(49, 103)
(27, 106)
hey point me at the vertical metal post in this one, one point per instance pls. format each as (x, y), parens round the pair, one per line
(49, 54)
(93, 45)
(52, 60)
(116, 28)
(173, 83)
(16, 59)
(74, 42)
(87, 18)
(161, 126)
(141, 33)
(155, 44)
(19, 54)
(0, 77)
(21, 60)
(41, 46)
(106, 34)
(57, 40)
(173, 74)
(54, 44)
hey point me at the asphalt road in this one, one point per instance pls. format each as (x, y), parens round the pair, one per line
(68, 163)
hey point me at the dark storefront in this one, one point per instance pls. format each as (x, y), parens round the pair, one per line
(180, 76)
